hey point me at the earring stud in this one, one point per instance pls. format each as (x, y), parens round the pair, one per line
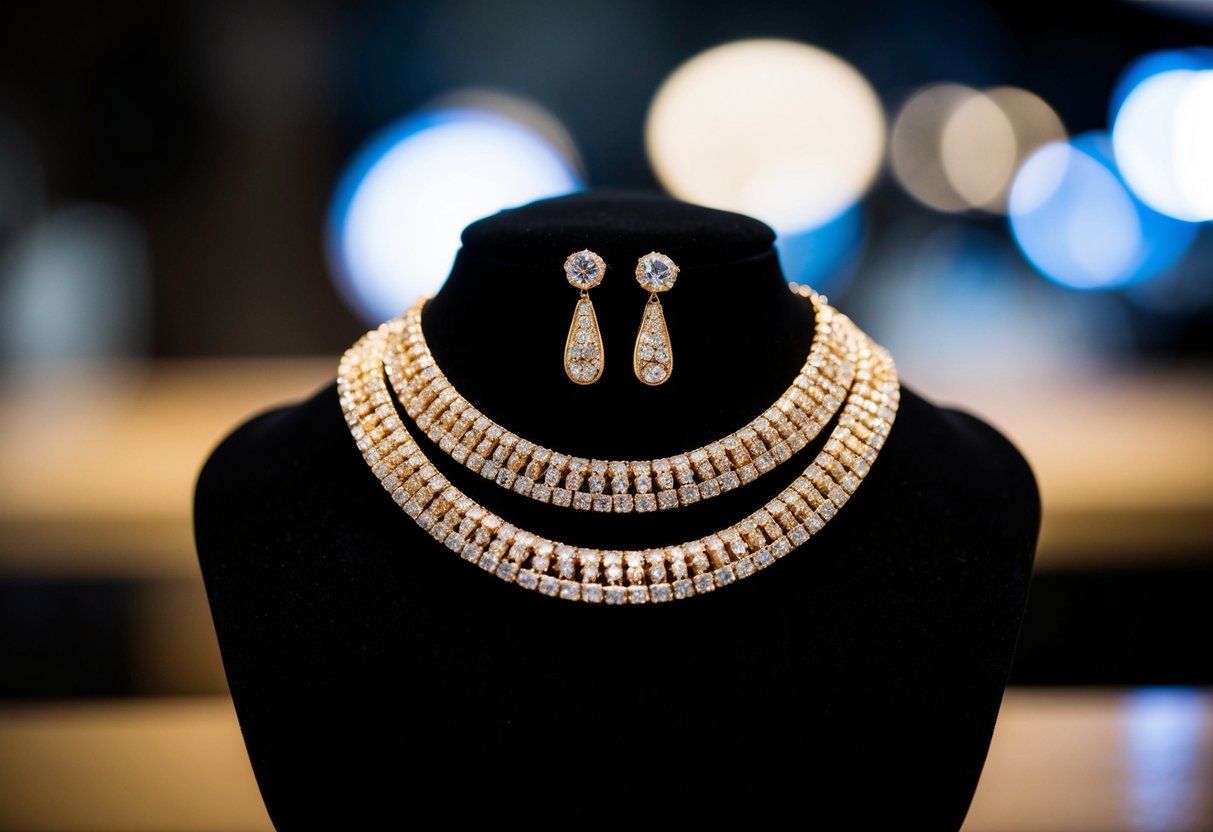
(583, 357)
(653, 356)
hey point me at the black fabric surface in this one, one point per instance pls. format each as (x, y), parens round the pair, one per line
(854, 684)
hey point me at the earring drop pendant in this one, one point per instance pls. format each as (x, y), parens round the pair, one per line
(583, 355)
(653, 356)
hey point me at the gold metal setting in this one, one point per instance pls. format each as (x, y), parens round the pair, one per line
(583, 353)
(595, 575)
(474, 440)
(653, 354)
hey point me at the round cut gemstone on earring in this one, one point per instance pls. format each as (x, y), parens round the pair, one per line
(656, 272)
(584, 269)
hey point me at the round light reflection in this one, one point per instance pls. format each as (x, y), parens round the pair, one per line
(955, 148)
(1158, 121)
(1079, 225)
(779, 130)
(400, 206)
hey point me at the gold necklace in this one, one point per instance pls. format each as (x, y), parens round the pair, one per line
(469, 437)
(577, 573)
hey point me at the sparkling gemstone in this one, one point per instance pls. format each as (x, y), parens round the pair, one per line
(507, 571)
(528, 579)
(656, 272)
(654, 373)
(583, 269)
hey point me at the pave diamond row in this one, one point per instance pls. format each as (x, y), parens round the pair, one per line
(611, 576)
(561, 479)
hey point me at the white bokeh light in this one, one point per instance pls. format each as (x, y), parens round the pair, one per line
(979, 150)
(400, 208)
(954, 148)
(780, 130)
(1163, 138)
(1193, 145)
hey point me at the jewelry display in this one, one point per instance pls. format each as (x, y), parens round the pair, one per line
(583, 355)
(653, 356)
(562, 479)
(578, 573)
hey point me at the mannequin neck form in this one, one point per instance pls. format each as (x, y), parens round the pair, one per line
(729, 313)
(882, 648)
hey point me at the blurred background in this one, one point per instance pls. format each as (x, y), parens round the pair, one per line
(203, 204)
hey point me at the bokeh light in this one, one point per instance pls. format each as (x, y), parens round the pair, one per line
(954, 148)
(779, 130)
(1163, 138)
(914, 145)
(76, 286)
(824, 257)
(978, 150)
(1161, 735)
(1078, 224)
(1193, 58)
(403, 201)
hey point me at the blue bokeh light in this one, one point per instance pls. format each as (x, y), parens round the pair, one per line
(1155, 63)
(824, 257)
(1161, 733)
(400, 206)
(1078, 224)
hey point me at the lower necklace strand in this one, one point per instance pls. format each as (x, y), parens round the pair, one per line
(579, 573)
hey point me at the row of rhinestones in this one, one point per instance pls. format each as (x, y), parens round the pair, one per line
(616, 577)
(474, 440)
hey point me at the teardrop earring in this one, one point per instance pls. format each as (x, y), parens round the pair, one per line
(583, 357)
(653, 357)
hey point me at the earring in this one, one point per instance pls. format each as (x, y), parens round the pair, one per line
(653, 358)
(583, 348)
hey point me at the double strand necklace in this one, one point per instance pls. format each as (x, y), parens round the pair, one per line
(469, 437)
(637, 576)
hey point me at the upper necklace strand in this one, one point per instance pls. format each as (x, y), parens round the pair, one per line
(636, 576)
(469, 437)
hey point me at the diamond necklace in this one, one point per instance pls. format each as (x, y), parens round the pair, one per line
(578, 573)
(469, 437)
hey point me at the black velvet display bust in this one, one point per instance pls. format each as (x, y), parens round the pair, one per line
(853, 685)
